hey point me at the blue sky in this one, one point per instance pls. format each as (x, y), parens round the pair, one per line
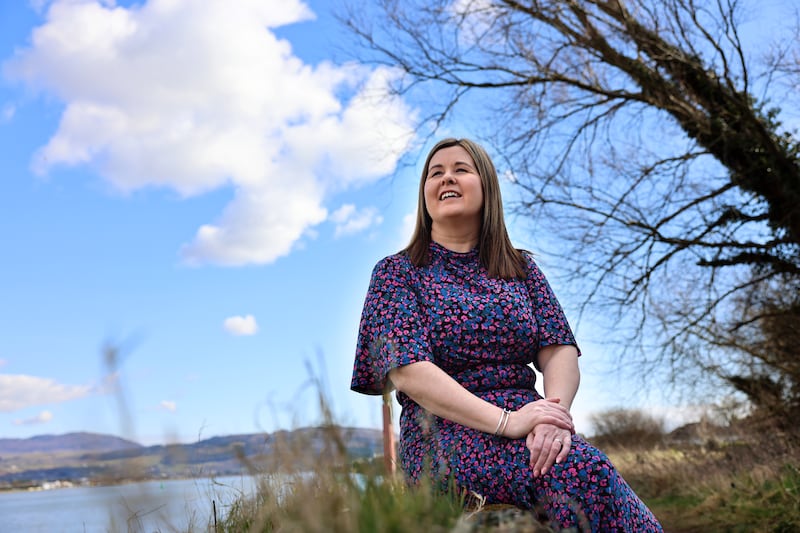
(207, 186)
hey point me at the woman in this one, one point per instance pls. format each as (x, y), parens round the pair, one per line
(452, 323)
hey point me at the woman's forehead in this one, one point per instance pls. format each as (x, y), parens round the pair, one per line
(451, 154)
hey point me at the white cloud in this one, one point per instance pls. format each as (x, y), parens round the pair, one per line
(41, 418)
(19, 391)
(241, 325)
(350, 220)
(168, 405)
(195, 95)
(343, 213)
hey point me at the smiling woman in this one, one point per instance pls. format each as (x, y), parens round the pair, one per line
(454, 323)
(454, 198)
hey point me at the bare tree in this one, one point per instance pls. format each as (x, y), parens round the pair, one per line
(632, 428)
(646, 138)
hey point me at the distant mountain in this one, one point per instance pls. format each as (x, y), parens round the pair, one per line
(93, 458)
(70, 442)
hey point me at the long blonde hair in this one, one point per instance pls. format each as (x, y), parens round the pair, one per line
(495, 250)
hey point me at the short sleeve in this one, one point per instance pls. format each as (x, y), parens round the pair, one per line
(392, 332)
(551, 323)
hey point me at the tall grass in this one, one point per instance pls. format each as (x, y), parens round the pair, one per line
(742, 486)
(749, 485)
(341, 503)
(332, 492)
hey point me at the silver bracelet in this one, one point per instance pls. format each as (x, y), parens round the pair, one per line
(502, 423)
(505, 424)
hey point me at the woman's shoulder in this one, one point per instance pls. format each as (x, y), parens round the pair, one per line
(528, 256)
(531, 268)
(396, 259)
(396, 264)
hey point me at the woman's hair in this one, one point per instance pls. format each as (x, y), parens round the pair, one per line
(495, 250)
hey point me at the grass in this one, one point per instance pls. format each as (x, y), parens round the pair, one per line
(737, 487)
(740, 501)
(330, 492)
(336, 501)
(750, 484)
(747, 486)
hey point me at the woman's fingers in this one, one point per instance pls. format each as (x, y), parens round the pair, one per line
(557, 421)
(553, 405)
(562, 419)
(543, 454)
(540, 413)
(549, 442)
(548, 445)
(534, 444)
(566, 445)
(562, 416)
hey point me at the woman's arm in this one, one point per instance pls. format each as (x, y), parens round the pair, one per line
(548, 443)
(437, 392)
(559, 364)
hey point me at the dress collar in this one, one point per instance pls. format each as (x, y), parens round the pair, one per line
(437, 250)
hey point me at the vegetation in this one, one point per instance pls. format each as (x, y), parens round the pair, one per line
(747, 486)
(714, 479)
(336, 501)
(329, 491)
(623, 427)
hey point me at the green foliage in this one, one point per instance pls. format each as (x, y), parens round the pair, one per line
(327, 490)
(689, 489)
(746, 502)
(744, 478)
(323, 501)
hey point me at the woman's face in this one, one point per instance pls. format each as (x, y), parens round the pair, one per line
(453, 190)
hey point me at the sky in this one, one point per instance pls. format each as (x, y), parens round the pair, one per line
(194, 194)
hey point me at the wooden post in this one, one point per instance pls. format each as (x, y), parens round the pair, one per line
(389, 451)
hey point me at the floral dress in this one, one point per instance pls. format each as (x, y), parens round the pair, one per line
(485, 333)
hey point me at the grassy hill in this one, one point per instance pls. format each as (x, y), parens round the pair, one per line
(95, 459)
(69, 442)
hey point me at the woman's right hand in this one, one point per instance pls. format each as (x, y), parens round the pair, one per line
(545, 411)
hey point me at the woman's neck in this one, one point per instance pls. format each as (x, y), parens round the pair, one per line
(455, 239)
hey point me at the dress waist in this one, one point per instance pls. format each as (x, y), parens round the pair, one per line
(495, 377)
(505, 385)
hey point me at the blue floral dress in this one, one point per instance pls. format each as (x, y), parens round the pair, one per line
(485, 333)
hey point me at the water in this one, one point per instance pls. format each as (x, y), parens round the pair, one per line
(152, 506)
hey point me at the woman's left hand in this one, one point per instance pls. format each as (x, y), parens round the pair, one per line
(548, 445)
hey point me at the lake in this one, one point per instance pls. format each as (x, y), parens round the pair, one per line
(151, 506)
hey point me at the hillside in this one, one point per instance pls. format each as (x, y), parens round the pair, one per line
(65, 443)
(91, 458)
